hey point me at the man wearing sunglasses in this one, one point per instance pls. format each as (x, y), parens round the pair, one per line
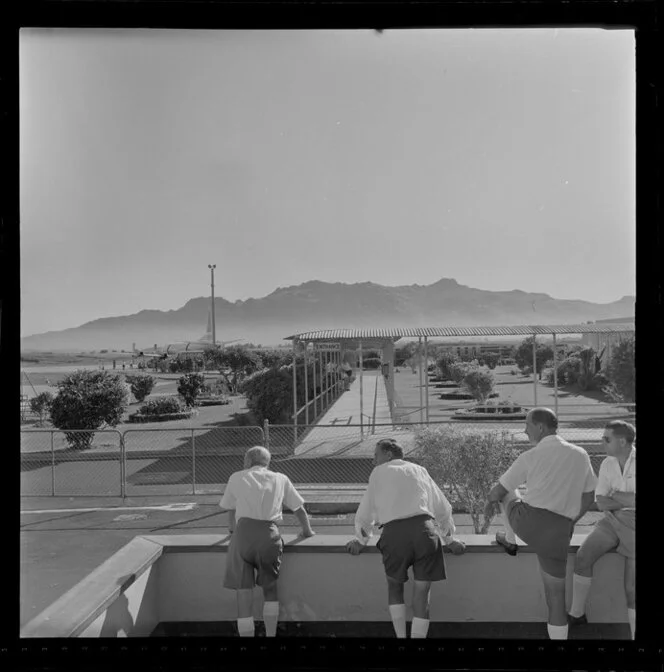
(615, 495)
(560, 484)
(404, 501)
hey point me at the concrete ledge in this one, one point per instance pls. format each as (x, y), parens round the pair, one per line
(127, 593)
(320, 543)
(84, 603)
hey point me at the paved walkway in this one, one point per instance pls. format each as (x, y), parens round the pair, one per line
(339, 432)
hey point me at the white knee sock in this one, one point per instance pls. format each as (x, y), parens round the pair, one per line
(631, 615)
(419, 628)
(270, 618)
(580, 589)
(557, 631)
(398, 613)
(245, 626)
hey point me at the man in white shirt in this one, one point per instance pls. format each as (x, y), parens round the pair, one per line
(616, 496)
(560, 483)
(254, 498)
(403, 500)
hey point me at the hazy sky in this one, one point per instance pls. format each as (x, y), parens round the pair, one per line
(502, 158)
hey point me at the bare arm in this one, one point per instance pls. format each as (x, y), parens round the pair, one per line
(231, 521)
(587, 498)
(303, 519)
(605, 503)
(627, 499)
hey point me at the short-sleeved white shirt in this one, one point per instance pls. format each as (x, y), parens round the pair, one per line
(260, 494)
(612, 477)
(555, 472)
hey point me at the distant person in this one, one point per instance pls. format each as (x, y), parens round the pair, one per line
(616, 496)
(404, 501)
(560, 485)
(123, 366)
(254, 498)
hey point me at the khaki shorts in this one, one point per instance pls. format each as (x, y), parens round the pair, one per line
(547, 533)
(620, 526)
(254, 554)
(412, 542)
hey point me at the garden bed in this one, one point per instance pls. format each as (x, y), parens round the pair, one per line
(491, 412)
(212, 401)
(153, 417)
(463, 395)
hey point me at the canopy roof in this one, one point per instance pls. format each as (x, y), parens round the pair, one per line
(395, 334)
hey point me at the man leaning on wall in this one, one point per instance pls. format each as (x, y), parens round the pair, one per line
(560, 485)
(254, 498)
(404, 501)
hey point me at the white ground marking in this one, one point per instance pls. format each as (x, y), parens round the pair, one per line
(165, 507)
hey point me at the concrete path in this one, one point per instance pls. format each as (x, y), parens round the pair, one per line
(339, 432)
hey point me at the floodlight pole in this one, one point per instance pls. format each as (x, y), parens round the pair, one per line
(214, 325)
(555, 375)
(535, 369)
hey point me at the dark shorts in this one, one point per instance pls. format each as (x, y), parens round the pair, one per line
(547, 533)
(620, 526)
(412, 542)
(254, 554)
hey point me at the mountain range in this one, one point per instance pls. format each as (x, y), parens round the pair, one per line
(322, 305)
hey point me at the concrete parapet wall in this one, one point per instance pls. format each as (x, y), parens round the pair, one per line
(179, 578)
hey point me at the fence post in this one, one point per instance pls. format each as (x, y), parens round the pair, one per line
(193, 462)
(123, 468)
(266, 433)
(52, 466)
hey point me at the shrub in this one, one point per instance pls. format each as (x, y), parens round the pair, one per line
(239, 359)
(269, 392)
(459, 370)
(161, 406)
(141, 386)
(491, 359)
(41, 405)
(621, 371)
(88, 400)
(444, 362)
(466, 465)
(371, 363)
(190, 386)
(479, 382)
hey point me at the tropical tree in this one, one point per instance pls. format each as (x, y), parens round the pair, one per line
(88, 400)
(480, 383)
(190, 386)
(237, 359)
(524, 355)
(41, 405)
(141, 385)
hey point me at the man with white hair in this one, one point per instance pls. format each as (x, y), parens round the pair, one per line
(254, 498)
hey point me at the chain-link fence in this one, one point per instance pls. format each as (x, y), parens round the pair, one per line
(72, 463)
(186, 461)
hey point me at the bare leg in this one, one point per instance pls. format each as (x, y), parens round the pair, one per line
(397, 607)
(554, 591)
(270, 609)
(421, 596)
(630, 592)
(510, 537)
(245, 620)
(245, 602)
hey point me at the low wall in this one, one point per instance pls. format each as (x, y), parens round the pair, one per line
(179, 578)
